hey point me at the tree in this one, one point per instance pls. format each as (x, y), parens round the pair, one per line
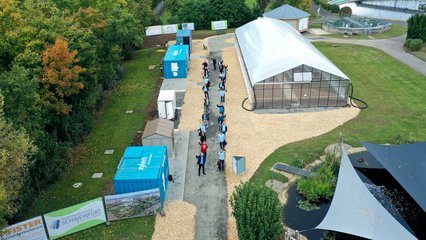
(257, 211)
(262, 4)
(15, 154)
(417, 27)
(60, 77)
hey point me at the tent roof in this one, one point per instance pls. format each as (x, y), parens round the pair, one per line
(407, 164)
(270, 46)
(159, 126)
(354, 210)
(286, 12)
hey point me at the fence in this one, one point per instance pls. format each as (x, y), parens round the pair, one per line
(85, 215)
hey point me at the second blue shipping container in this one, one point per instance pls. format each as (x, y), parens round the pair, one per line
(143, 168)
(184, 37)
(175, 63)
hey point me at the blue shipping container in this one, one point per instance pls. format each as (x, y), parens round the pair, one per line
(143, 168)
(184, 37)
(175, 63)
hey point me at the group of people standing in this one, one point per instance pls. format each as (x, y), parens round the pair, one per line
(205, 118)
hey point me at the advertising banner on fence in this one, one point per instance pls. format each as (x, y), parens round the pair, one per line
(135, 204)
(188, 26)
(219, 25)
(76, 218)
(172, 28)
(32, 229)
(153, 30)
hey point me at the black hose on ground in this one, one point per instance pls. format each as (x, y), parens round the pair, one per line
(250, 110)
(351, 97)
(254, 106)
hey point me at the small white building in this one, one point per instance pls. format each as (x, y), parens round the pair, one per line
(166, 104)
(297, 18)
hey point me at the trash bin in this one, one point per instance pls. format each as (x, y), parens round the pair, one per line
(238, 164)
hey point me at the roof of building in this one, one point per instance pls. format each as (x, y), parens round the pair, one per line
(407, 164)
(158, 126)
(141, 163)
(354, 210)
(176, 53)
(286, 12)
(270, 46)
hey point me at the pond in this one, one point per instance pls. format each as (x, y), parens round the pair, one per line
(382, 185)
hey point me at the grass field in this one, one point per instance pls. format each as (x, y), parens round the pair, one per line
(421, 54)
(251, 3)
(395, 31)
(396, 113)
(114, 130)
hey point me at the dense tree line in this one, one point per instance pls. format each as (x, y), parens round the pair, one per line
(57, 57)
(202, 12)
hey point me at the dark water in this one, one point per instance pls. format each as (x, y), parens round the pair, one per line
(300, 220)
(382, 185)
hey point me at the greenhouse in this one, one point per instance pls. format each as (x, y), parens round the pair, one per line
(283, 70)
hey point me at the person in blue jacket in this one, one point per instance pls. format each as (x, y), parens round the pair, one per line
(201, 161)
(221, 161)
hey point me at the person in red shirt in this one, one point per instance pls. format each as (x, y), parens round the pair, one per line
(204, 147)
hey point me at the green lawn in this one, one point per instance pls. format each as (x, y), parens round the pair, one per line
(396, 113)
(395, 31)
(114, 130)
(315, 25)
(251, 3)
(420, 54)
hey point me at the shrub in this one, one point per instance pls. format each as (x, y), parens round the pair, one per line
(407, 42)
(257, 211)
(415, 44)
(298, 161)
(321, 185)
(417, 27)
(334, 8)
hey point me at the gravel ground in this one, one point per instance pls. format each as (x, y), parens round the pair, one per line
(252, 135)
(179, 222)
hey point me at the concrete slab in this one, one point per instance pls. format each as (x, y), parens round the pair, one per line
(97, 175)
(178, 84)
(318, 31)
(109, 152)
(177, 167)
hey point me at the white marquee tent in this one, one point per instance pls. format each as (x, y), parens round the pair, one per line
(272, 52)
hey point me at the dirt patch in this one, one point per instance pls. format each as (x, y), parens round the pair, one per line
(150, 114)
(179, 222)
(108, 189)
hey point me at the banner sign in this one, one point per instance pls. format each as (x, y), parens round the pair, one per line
(172, 28)
(32, 229)
(219, 25)
(188, 26)
(75, 218)
(135, 204)
(153, 30)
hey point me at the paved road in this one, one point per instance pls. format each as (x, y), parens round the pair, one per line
(208, 192)
(391, 46)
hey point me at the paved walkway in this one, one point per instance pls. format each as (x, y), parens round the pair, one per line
(391, 46)
(208, 192)
(177, 167)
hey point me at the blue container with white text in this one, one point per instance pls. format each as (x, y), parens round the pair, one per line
(143, 168)
(176, 62)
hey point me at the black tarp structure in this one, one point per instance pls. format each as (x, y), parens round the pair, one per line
(407, 164)
(354, 210)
